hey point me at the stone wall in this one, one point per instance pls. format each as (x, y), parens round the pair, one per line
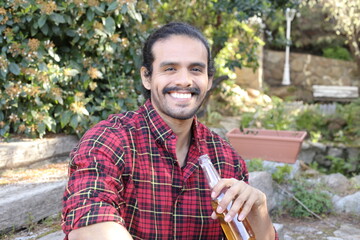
(320, 153)
(305, 71)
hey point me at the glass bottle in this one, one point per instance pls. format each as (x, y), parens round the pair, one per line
(235, 229)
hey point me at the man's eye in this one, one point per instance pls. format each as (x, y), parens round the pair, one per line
(196, 69)
(169, 69)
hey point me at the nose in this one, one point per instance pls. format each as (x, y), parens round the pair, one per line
(184, 78)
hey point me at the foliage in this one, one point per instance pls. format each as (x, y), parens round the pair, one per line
(254, 165)
(337, 52)
(67, 64)
(231, 100)
(340, 126)
(281, 173)
(347, 167)
(233, 30)
(311, 196)
(346, 16)
(310, 32)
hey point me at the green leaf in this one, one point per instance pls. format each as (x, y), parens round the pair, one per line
(42, 20)
(14, 68)
(50, 123)
(45, 29)
(3, 73)
(74, 122)
(99, 10)
(90, 15)
(132, 12)
(57, 18)
(41, 128)
(65, 118)
(110, 25)
(53, 54)
(113, 6)
(4, 130)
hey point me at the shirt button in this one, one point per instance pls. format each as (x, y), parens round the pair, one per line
(172, 137)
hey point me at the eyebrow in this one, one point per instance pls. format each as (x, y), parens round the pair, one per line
(200, 64)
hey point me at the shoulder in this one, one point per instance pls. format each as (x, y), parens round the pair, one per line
(114, 129)
(211, 137)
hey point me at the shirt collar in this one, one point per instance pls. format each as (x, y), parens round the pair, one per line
(160, 130)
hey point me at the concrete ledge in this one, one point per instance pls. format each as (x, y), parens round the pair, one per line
(335, 92)
(21, 204)
(26, 152)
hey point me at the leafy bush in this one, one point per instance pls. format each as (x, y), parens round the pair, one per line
(340, 126)
(337, 53)
(281, 173)
(254, 165)
(312, 197)
(65, 65)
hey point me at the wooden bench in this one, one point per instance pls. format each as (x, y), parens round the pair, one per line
(335, 93)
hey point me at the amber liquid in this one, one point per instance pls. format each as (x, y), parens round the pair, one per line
(230, 229)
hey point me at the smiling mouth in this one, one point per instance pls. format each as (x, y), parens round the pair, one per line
(180, 95)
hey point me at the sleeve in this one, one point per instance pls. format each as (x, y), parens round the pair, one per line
(93, 192)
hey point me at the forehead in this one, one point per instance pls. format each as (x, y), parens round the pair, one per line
(179, 48)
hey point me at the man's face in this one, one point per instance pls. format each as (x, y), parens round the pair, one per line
(179, 81)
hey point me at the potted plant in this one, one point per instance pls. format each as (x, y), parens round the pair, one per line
(272, 145)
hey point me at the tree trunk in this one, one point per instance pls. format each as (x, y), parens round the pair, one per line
(216, 83)
(354, 46)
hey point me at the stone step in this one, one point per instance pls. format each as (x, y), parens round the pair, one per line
(22, 204)
(25, 152)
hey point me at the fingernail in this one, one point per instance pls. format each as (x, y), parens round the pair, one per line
(241, 217)
(213, 195)
(219, 209)
(227, 218)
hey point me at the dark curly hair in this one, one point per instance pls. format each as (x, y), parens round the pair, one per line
(174, 28)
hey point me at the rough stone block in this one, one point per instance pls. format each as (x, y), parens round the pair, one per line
(26, 152)
(263, 181)
(21, 204)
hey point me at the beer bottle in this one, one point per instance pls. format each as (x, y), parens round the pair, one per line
(235, 229)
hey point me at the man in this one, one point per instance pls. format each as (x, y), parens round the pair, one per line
(136, 175)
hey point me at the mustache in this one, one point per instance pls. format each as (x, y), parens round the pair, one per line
(192, 90)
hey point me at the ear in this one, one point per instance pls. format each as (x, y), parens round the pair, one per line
(145, 77)
(210, 83)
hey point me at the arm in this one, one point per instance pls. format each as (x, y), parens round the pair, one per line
(248, 202)
(94, 192)
(100, 231)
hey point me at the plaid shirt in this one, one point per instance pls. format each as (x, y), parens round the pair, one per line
(125, 170)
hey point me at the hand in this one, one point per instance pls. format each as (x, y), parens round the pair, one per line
(245, 198)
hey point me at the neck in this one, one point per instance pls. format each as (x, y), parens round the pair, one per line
(182, 129)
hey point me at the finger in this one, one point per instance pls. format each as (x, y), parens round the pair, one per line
(238, 192)
(238, 203)
(222, 186)
(246, 208)
(214, 215)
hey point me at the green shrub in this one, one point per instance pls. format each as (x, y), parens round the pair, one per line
(339, 127)
(337, 52)
(312, 197)
(65, 65)
(281, 173)
(255, 164)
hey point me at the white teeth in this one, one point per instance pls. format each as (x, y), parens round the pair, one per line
(181, 95)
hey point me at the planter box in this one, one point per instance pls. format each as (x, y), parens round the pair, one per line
(271, 145)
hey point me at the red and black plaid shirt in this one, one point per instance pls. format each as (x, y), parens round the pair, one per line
(125, 170)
